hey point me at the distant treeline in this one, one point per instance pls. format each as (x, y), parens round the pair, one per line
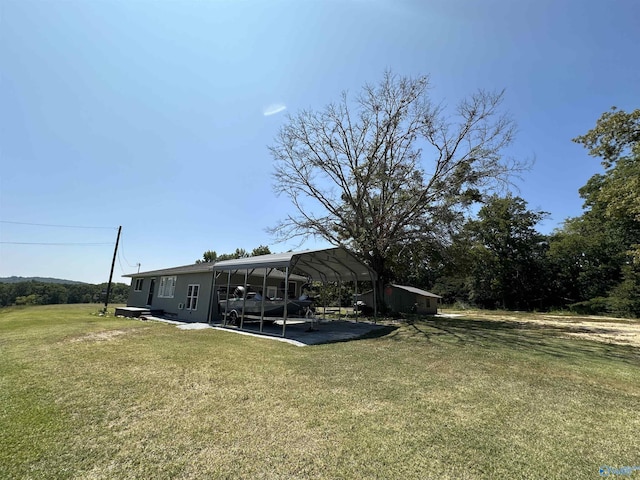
(15, 279)
(44, 293)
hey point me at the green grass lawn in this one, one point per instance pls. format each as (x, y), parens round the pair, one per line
(90, 397)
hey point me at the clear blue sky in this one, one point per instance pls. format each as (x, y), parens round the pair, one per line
(151, 114)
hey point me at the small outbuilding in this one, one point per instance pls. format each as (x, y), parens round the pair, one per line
(405, 299)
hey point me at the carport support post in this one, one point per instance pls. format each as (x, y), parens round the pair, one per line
(339, 299)
(226, 303)
(355, 303)
(211, 294)
(324, 301)
(264, 293)
(286, 300)
(244, 298)
(375, 300)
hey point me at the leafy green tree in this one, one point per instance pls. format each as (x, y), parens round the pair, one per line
(53, 294)
(507, 255)
(615, 195)
(210, 256)
(624, 298)
(31, 299)
(606, 258)
(333, 294)
(7, 294)
(239, 253)
(453, 271)
(261, 250)
(81, 293)
(585, 259)
(616, 140)
(119, 292)
(390, 169)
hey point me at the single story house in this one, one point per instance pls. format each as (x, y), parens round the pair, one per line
(192, 292)
(405, 299)
(187, 293)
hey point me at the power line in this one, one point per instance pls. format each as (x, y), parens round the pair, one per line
(57, 244)
(121, 252)
(57, 226)
(120, 263)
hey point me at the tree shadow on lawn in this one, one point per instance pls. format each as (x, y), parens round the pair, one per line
(548, 339)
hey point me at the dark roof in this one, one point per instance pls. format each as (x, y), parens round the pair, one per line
(195, 268)
(415, 290)
(329, 264)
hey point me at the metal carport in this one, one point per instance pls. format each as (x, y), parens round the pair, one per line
(326, 265)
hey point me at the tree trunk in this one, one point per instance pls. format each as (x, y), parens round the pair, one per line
(378, 264)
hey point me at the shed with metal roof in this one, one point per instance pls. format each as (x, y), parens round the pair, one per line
(406, 299)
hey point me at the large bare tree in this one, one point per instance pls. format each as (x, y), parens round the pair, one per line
(390, 169)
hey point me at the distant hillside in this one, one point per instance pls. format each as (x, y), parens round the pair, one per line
(48, 291)
(39, 279)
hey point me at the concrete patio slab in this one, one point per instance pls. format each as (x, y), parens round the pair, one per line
(298, 332)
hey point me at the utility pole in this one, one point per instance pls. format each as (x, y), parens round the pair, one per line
(113, 264)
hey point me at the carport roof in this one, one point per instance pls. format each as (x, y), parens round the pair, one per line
(203, 268)
(329, 264)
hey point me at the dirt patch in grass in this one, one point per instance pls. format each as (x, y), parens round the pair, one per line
(618, 331)
(100, 336)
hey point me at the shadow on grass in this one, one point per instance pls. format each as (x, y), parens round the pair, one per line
(379, 332)
(547, 339)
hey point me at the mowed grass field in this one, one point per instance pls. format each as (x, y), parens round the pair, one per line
(90, 397)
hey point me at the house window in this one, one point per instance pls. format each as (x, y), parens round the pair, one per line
(167, 287)
(272, 292)
(292, 289)
(192, 297)
(138, 284)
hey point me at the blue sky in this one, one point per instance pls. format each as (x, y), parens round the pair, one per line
(151, 114)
